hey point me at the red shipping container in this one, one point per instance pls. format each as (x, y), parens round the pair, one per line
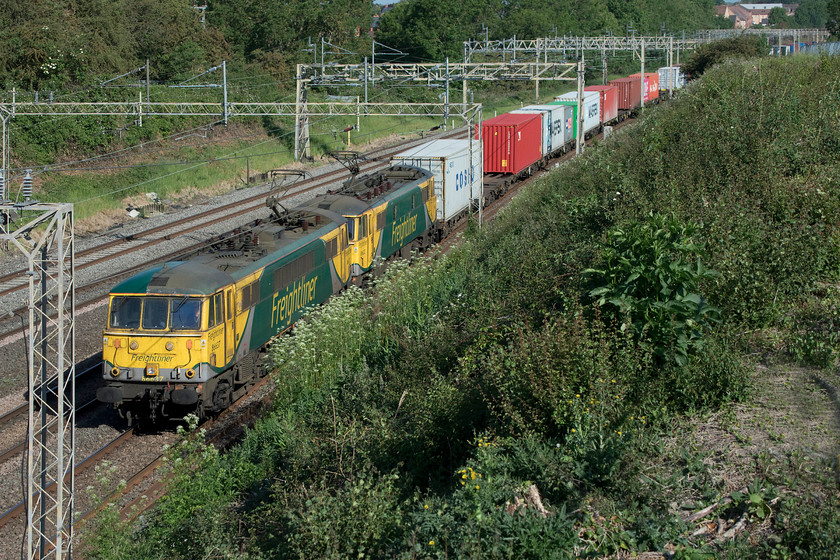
(609, 101)
(511, 142)
(651, 83)
(629, 93)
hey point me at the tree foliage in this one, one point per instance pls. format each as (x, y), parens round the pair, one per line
(778, 17)
(832, 22)
(706, 56)
(433, 29)
(50, 45)
(811, 14)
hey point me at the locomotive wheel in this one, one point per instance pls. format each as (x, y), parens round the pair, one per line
(223, 397)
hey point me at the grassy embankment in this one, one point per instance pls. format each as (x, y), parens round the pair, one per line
(484, 404)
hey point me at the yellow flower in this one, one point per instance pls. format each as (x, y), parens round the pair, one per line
(573, 430)
(613, 380)
(463, 483)
(477, 486)
(463, 476)
(431, 543)
(472, 476)
(578, 395)
(426, 506)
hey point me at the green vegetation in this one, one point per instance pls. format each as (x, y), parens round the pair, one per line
(74, 51)
(706, 56)
(435, 29)
(481, 404)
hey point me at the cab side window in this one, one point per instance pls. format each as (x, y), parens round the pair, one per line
(362, 229)
(216, 315)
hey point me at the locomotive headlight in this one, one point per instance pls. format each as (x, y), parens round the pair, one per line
(190, 374)
(104, 341)
(169, 346)
(134, 345)
(115, 372)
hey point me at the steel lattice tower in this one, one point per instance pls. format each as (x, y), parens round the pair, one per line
(51, 366)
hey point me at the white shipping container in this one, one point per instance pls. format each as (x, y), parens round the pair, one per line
(591, 108)
(671, 77)
(449, 161)
(556, 129)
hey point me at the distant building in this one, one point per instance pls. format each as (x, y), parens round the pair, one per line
(385, 9)
(747, 15)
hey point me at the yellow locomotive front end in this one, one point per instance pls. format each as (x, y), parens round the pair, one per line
(160, 350)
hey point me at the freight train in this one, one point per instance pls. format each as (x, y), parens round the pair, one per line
(521, 141)
(191, 336)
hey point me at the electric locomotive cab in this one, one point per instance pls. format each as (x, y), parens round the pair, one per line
(401, 209)
(160, 349)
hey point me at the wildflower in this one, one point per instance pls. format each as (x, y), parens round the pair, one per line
(578, 395)
(431, 543)
(477, 486)
(426, 506)
(573, 430)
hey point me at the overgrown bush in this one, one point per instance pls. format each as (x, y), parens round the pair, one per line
(649, 283)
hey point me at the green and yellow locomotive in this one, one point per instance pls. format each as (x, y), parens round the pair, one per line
(190, 336)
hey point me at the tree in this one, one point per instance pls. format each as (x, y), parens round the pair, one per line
(706, 56)
(811, 13)
(778, 17)
(832, 23)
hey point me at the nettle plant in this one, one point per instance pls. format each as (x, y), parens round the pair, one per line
(649, 281)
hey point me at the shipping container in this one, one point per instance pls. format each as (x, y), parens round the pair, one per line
(545, 126)
(555, 122)
(629, 93)
(651, 80)
(511, 142)
(455, 179)
(609, 102)
(591, 110)
(671, 78)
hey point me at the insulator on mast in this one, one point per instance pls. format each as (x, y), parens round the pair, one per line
(27, 185)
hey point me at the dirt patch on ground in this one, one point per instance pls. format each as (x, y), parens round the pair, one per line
(782, 445)
(793, 410)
